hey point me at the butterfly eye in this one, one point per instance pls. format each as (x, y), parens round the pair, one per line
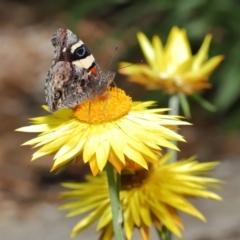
(57, 95)
(81, 51)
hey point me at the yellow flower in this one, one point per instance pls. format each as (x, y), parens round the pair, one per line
(147, 198)
(110, 128)
(173, 68)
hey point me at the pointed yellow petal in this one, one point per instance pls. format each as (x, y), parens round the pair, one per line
(102, 152)
(73, 146)
(211, 64)
(145, 214)
(105, 219)
(129, 224)
(135, 206)
(177, 49)
(34, 128)
(90, 146)
(161, 212)
(117, 143)
(206, 69)
(93, 165)
(107, 233)
(159, 53)
(87, 221)
(144, 231)
(202, 54)
(135, 156)
(147, 49)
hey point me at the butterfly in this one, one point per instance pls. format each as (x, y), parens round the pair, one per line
(74, 76)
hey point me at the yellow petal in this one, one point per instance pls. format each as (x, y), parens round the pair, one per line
(140, 69)
(161, 212)
(70, 150)
(102, 151)
(87, 221)
(117, 143)
(183, 68)
(107, 233)
(93, 165)
(34, 128)
(147, 49)
(129, 224)
(137, 157)
(159, 53)
(177, 49)
(135, 207)
(182, 204)
(202, 54)
(91, 145)
(211, 64)
(105, 219)
(145, 214)
(144, 231)
(206, 69)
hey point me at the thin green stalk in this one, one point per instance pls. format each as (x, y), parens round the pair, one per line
(174, 106)
(114, 187)
(164, 234)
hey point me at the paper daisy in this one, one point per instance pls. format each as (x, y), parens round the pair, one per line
(148, 198)
(111, 128)
(173, 68)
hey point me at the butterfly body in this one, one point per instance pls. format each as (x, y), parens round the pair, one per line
(74, 76)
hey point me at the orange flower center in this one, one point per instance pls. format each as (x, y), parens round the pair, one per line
(111, 105)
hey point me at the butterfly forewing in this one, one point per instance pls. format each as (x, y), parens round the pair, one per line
(74, 76)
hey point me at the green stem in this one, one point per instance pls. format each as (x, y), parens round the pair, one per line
(114, 187)
(174, 106)
(164, 234)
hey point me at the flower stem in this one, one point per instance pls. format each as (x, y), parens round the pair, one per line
(174, 106)
(164, 234)
(114, 186)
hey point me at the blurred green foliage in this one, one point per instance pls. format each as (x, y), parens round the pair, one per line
(198, 17)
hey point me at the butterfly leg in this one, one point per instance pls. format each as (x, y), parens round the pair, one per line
(105, 103)
(115, 85)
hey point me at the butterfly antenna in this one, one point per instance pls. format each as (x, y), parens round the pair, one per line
(110, 64)
(112, 57)
(141, 61)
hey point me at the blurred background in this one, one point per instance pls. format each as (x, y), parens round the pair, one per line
(28, 192)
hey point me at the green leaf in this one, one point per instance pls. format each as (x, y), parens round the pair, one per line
(184, 104)
(207, 105)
